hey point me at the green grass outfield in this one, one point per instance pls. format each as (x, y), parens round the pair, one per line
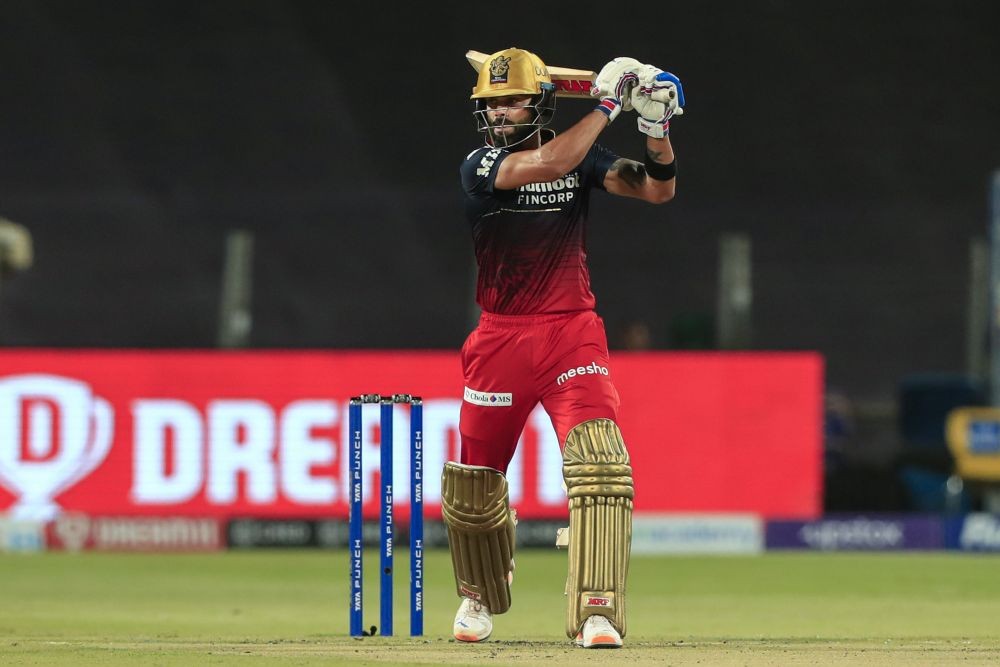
(290, 607)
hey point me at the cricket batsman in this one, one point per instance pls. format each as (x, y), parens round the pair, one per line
(539, 339)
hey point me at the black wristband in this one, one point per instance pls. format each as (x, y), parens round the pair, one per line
(658, 171)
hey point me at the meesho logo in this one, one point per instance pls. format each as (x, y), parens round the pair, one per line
(53, 432)
(592, 369)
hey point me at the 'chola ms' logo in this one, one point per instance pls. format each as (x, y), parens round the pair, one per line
(499, 67)
(53, 432)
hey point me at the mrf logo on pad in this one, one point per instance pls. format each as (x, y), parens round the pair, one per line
(594, 601)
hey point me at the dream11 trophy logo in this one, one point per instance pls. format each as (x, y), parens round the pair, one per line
(53, 432)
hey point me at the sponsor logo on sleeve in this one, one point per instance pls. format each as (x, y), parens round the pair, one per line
(489, 399)
(486, 163)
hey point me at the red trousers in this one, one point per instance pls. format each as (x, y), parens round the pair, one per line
(510, 363)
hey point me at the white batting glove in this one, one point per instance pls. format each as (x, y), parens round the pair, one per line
(614, 84)
(654, 117)
(662, 87)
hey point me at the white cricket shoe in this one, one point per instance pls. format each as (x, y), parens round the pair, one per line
(473, 622)
(597, 632)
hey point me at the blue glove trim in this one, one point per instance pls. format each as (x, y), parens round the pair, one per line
(667, 76)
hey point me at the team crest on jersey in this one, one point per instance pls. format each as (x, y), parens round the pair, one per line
(499, 67)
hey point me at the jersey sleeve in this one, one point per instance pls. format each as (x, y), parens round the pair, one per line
(597, 163)
(479, 170)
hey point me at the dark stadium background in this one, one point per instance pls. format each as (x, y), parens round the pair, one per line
(852, 142)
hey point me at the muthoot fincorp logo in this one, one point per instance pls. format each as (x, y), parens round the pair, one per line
(558, 191)
(592, 369)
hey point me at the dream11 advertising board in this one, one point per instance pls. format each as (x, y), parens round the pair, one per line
(264, 434)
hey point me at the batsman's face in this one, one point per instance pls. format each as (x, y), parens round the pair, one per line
(506, 113)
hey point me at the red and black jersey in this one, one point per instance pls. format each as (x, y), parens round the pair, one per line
(530, 242)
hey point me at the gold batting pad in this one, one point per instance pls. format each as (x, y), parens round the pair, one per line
(599, 484)
(480, 532)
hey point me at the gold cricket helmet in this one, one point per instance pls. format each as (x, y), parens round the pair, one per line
(512, 71)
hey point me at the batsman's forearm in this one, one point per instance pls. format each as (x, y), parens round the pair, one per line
(660, 149)
(661, 184)
(568, 148)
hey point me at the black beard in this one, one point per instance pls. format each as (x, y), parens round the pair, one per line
(520, 133)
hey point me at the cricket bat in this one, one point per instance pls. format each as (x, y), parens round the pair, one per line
(568, 82)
